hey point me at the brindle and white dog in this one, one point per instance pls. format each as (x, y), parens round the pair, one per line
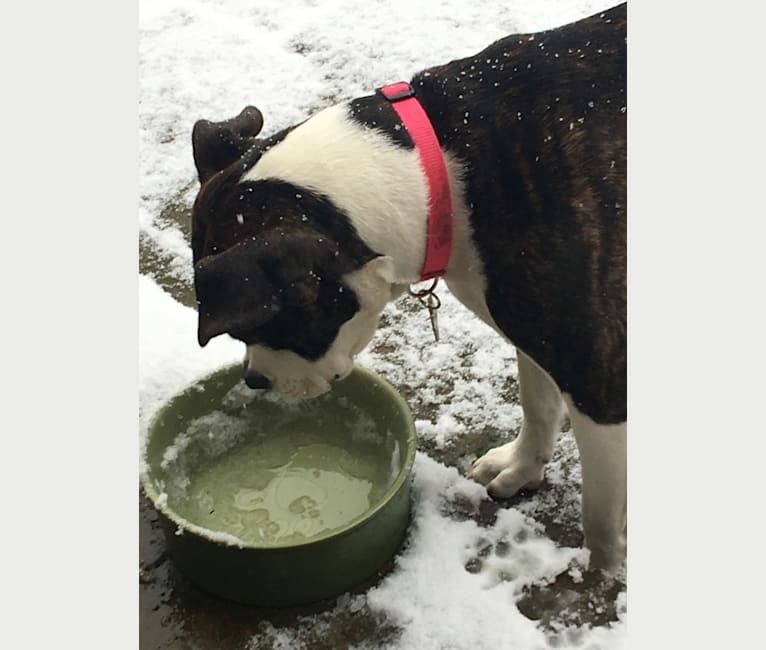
(300, 239)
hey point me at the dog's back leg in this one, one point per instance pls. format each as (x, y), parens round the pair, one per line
(603, 457)
(520, 463)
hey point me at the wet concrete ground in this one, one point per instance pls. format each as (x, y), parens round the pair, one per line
(176, 615)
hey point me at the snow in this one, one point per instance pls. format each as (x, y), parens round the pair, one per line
(438, 602)
(207, 59)
(169, 357)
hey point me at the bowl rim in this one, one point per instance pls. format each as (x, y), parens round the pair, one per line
(231, 540)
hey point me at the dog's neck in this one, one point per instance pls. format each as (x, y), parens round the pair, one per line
(378, 183)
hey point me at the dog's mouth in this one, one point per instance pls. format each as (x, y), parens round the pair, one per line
(258, 381)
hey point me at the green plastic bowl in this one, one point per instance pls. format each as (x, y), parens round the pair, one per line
(274, 503)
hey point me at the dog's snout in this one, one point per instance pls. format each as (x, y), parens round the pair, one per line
(255, 379)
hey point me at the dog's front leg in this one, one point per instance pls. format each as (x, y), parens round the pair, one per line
(520, 463)
(603, 458)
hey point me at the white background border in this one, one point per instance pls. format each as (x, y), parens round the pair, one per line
(69, 305)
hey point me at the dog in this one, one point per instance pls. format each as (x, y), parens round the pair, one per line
(299, 240)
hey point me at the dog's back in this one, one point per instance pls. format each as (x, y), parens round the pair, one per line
(541, 122)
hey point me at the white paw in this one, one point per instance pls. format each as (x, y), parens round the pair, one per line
(507, 469)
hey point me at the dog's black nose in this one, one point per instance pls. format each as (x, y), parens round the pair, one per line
(255, 379)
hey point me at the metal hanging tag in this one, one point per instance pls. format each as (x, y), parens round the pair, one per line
(431, 302)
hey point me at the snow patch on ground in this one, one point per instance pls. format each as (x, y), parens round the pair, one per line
(441, 604)
(169, 358)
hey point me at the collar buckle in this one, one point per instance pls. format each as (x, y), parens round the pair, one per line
(396, 92)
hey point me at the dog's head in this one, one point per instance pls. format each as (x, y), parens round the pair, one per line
(278, 267)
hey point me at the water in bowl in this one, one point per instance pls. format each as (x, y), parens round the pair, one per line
(273, 474)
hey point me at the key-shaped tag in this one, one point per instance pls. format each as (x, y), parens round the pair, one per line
(430, 301)
(433, 304)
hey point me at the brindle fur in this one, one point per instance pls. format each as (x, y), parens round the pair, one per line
(545, 146)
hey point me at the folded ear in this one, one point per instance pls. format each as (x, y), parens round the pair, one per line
(292, 267)
(234, 295)
(218, 144)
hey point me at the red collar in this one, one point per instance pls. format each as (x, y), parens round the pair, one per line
(415, 120)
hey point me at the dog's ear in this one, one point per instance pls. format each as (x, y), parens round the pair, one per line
(233, 292)
(300, 267)
(218, 144)
(247, 285)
